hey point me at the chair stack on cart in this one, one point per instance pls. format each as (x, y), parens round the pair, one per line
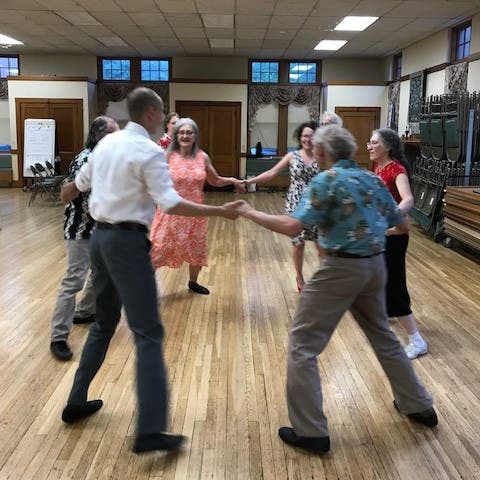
(449, 156)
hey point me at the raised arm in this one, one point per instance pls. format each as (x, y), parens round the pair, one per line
(272, 173)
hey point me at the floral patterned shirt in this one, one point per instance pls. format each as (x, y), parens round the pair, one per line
(351, 207)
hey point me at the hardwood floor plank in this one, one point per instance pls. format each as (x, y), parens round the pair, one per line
(226, 360)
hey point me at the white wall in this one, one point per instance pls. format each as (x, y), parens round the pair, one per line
(221, 68)
(45, 89)
(60, 65)
(4, 122)
(358, 96)
(473, 81)
(353, 70)
(435, 83)
(431, 51)
(403, 107)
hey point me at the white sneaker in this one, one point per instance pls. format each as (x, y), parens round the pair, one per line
(413, 350)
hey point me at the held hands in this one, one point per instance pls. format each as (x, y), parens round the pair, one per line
(240, 186)
(241, 207)
(229, 210)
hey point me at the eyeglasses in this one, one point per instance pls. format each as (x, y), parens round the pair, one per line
(186, 132)
(372, 144)
(306, 136)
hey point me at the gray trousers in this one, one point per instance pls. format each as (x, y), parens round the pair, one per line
(78, 266)
(342, 284)
(123, 275)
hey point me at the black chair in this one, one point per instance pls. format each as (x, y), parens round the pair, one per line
(48, 185)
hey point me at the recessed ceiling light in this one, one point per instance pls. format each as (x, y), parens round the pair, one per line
(330, 44)
(355, 24)
(4, 40)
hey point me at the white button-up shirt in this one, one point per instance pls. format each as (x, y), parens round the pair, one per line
(128, 174)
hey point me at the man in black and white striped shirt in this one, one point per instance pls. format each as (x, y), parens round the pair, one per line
(78, 225)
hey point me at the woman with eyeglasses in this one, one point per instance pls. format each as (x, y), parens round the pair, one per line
(302, 168)
(176, 239)
(386, 149)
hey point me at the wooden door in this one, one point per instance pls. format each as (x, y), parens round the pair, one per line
(68, 116)
(360, 122)
(219, 126)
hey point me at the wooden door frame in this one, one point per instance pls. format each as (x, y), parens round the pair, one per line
(20, 127)
(238, 112)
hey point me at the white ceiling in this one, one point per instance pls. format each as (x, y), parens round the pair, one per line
(246, 28)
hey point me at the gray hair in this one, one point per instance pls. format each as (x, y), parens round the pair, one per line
(330, 118)
(337, 142)
(174, 145)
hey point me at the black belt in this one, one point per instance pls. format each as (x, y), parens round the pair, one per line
(341, 254)
(132, 226)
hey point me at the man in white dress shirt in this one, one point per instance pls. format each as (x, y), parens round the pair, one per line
(128, 174)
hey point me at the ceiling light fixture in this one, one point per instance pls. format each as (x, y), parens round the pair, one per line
(355, 24)
(6, 42)
(330, 44)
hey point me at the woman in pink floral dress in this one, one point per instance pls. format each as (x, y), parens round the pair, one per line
(177, 239)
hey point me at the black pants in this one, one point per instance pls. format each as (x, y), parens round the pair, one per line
(397, 297)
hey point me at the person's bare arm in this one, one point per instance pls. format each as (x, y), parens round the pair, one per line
(272, 173)
(276, 223)
(192, 209)
(214, 179)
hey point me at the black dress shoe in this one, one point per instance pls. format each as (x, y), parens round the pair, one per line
(80, 320)
(426, 417)
(197, 288)
(157, 441)
(61, 350)
(72, 413)
(311, 444)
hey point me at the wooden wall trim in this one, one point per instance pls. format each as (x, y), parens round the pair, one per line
(50, 78)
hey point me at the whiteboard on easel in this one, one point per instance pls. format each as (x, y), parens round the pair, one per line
(38, 144)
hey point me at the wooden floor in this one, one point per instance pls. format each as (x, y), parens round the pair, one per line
(226, 359)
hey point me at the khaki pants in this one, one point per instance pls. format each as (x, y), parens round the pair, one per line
(342, 284)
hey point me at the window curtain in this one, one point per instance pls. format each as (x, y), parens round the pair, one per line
(283, 95)
(115, 92)
(393, 105)
(456, 78)
(3, 89)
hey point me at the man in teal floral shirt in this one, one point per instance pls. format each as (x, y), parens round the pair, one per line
(352, 210)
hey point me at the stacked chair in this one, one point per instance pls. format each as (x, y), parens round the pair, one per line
(449, 155)
(45, 182)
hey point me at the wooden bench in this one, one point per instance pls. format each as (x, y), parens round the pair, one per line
(6, 172)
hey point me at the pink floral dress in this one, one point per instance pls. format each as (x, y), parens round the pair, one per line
(176, 239)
